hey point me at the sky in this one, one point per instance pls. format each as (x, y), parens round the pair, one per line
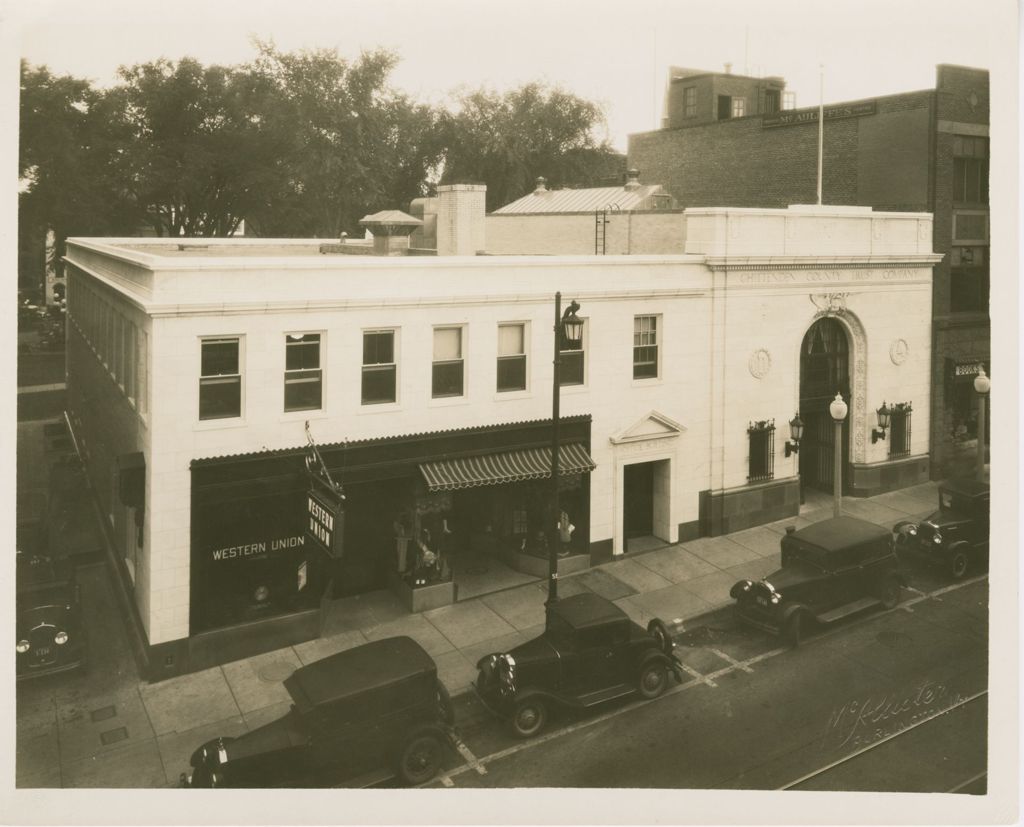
(616, 53)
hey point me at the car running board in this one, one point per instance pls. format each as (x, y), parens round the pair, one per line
(849, 609)
(602, 695)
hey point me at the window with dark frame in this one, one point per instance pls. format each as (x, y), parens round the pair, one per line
(899, 429)
(970, 169)
(220, 379)
(447, 370)
(511, 357)
(645, 347)
(303, 376)
(761, 464)
(380, 370)
(572, 361)
(690, 102)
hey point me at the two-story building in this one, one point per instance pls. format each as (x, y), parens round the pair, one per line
(195, 367)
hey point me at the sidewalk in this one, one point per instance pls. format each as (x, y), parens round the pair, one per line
(114, 731)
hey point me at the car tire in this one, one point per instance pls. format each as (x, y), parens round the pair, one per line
(793, 630)
(958, 564)
(529, 717)
(421, 758)
(891, 593)
(659, 631)
(653, 680)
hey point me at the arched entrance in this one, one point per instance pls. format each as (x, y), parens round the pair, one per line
(824, 371)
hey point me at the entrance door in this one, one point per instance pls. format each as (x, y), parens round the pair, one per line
(824, 371)
(638, 500)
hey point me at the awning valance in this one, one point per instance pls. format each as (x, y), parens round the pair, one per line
(508, 466)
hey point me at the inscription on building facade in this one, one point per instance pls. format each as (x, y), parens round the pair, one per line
(818, 276)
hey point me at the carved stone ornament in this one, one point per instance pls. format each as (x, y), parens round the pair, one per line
(829, 302)
(898, 351)
(760, 363)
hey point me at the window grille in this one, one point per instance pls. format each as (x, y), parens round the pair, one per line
(761, 465)
(899, 429)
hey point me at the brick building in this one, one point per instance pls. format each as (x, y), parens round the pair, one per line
(921, 151)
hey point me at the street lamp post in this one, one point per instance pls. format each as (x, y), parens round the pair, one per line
(570, 329)
(838, 410)
(982, 385)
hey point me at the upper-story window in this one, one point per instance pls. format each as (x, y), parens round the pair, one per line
(645, 347)
(690, 102)
(739, 107)
(447, 372)
(303, 376)
(220, 378)
(771, 101)
(380, 370)
(572, 360)
(970, 170)
(788, 100)
(512, 357)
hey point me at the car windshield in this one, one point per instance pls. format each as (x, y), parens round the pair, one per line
(47, 596)
(948, 501)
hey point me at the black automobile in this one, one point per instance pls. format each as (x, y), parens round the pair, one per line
(590, 652)
(956, 536)
(357, 718)
(50, 634)
(830, 570)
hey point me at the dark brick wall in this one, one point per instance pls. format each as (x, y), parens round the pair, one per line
(954, 85)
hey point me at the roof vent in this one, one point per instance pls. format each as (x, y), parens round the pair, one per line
(632, 179)
(728, 68)
(541, 186)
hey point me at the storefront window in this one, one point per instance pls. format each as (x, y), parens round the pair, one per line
(379, 367)
(303, 378)
(962, 401)
(220, 381)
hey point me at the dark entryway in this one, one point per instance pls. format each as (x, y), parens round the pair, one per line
(824, 371)
(638, 500)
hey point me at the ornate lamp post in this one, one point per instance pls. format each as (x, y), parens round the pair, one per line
(568, 328)
(838, 410)
(982, 385)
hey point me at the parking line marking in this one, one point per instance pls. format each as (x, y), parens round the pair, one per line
(693, 673)
(963, 784)
(447, 781)
(466, 753)
(733, 661)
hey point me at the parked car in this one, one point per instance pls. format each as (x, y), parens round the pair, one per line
(590, 652)
(50, 634)
(830, 570)
(956, 536)
(357, 718)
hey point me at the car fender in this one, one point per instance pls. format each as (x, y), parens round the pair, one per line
(900, 530)
(533, 692)
(959, 546)
(671, 663)
(792, 609)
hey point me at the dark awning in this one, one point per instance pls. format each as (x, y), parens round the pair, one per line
(509, 466)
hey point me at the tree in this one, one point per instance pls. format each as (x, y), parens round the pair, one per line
(507, 140)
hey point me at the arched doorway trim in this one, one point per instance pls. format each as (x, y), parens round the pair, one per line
(858, 380)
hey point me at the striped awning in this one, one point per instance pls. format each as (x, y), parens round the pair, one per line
(508, 466)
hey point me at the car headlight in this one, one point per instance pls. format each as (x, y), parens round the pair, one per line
(937, 539)
(776, 598)
(60, 638)
(912, 530)
(23, 646)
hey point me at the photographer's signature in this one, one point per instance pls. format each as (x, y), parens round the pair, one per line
(858, 723)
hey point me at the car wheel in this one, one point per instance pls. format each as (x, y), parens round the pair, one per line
(421, 759)
(653, 680)
(659, 631)
(891, 593)
(958, 565)
(529, 717)
(792, 632)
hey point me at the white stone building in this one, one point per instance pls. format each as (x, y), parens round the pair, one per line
(194, 365)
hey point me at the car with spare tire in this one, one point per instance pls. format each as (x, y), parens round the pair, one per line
(829, 570)
(590, 652)
(358, 718)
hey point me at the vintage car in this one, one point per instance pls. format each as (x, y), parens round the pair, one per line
(358, 718)
(50, 632)
(956, 536)
(830, 570)
(590, 652)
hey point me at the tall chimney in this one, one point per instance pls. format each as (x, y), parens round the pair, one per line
(461, 209)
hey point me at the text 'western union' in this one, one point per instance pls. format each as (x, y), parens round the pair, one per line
(320, 515)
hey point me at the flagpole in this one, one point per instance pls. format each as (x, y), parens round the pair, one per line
(821, 122)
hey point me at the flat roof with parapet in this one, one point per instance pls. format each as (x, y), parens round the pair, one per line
(233, 247)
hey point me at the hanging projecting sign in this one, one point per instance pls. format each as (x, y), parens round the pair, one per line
(325, 521)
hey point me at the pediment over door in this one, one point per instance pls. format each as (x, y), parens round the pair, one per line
(652, 426)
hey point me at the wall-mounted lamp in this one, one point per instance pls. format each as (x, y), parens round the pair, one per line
(878, 433)
(796, 432)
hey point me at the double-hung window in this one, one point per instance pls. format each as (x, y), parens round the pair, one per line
(512, 357)
(447, 369)
(572, 360)
(645, 347)
(690, 102)
(303, 376)
(379, 367)
(220, 378)
(739, 107)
